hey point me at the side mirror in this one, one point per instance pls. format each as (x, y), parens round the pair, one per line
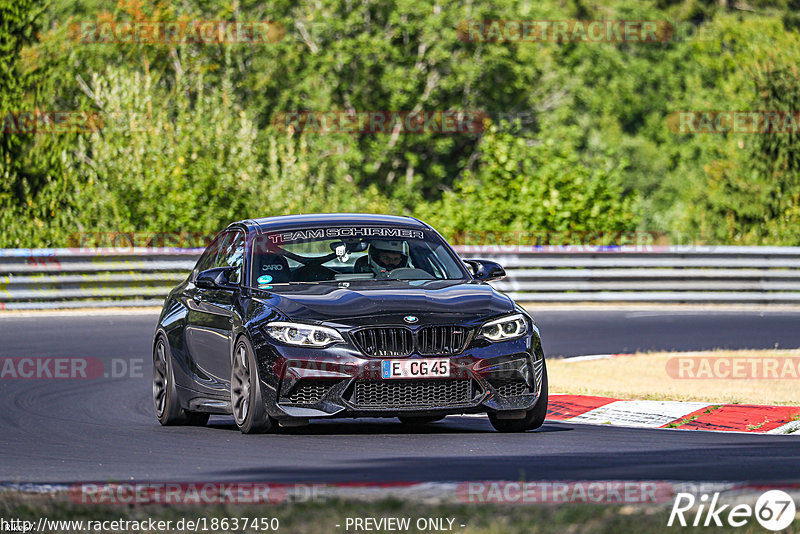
(216, 278)
(485, 270)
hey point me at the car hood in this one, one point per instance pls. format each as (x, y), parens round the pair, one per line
(431, 301)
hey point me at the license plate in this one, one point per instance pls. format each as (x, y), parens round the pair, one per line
(415, 368)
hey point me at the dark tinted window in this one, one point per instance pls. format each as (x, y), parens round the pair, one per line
(231, 254)
(209, 255)
(354, 254)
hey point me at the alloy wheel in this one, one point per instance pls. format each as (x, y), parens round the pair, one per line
(240, 385)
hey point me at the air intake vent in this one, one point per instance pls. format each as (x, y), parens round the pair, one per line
(405, 394)
(309, 391)
(510, 386)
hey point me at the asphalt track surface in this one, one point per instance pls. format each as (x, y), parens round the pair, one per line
(61, 431)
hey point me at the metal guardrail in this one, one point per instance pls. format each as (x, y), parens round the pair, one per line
(74, 278)
(69, 278)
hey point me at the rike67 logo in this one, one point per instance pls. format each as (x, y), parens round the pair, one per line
(774, 510)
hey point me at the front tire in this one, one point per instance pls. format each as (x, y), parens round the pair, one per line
(165, 394)
(247, 402)
(532, 420)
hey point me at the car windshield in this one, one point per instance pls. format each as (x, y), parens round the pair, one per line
(351, 254)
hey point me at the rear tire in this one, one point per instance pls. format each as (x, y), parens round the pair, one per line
(247, 402)
(534, 418)
(165, 394)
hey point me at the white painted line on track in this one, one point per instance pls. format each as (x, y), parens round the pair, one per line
(636, 413)
(789, 428)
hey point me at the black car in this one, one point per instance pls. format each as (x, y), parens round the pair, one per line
(290, 318)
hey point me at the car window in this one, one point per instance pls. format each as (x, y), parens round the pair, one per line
(231, 254)
(363, 254)
(209, 255)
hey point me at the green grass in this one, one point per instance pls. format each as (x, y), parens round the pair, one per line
(678, 424)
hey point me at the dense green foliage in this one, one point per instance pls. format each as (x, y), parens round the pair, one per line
(576, 140)
(528, 186)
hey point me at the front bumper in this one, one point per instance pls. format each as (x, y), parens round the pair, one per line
(300, 383)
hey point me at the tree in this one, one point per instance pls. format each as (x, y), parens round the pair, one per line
(19, 21)
(536, 186)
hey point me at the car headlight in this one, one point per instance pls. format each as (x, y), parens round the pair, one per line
(305, 335)
(505, 328)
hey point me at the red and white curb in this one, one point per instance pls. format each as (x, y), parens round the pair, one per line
(747, 418)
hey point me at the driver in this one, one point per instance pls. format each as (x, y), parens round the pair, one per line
(385, 256)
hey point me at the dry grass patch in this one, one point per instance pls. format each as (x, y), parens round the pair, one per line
(653, 376)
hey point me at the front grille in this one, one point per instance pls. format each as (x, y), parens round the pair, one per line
(510, 386)
(411, 393)
(441, 340)
(387, 341)
(308, 391)
(401, 341)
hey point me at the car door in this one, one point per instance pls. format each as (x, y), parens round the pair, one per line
(210, 318)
